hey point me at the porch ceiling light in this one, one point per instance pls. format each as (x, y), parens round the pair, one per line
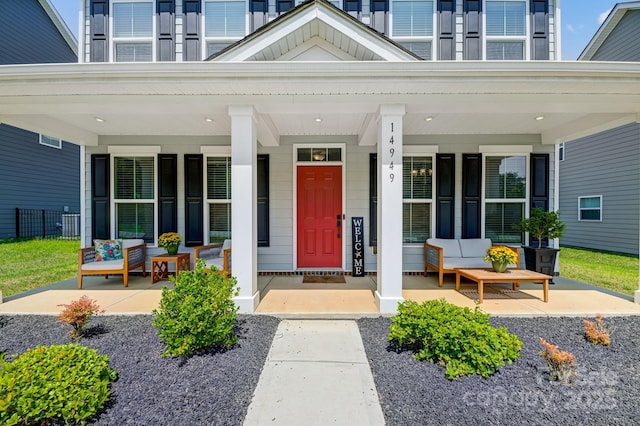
(318, 119)
(428, 119)
(540, 117)
(208, 119)
(100, 120)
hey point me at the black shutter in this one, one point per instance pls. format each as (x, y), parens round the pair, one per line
(259, 10)
(379, 16)
(191, 30)
(539, 189)
(445, 195)
(99, 23)
(263, 200)
(472, 29)
(471, 195)
(353, 8)
(194, 201)
(283, 6)
(447, 30)
(373, 200)
(539, 29)
(100, 193)
(167, 193)
(166, 27)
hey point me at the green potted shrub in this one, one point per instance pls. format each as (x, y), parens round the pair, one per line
(541, 225)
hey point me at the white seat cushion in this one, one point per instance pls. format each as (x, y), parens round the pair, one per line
(105, 264)
(218, 262)
(465, 262)
(474, 247)
(450, 248)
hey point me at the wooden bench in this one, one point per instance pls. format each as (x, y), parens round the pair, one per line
(134, 256)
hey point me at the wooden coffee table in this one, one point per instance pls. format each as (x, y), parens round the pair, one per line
(514, 276)
(160, 265)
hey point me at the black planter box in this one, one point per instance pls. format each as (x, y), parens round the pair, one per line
(541, 260)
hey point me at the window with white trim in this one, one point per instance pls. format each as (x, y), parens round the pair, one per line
(219, 198)
(225, 22)
(417, 198)
(590, 208)
(506, 30)
(132, 29)
(135, 196)
(505, 189)
(50, 141)
(412, 25)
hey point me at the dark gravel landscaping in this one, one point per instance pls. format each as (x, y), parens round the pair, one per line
(206, 389)
(606, 390)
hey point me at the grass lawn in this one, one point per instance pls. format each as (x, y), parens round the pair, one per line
(35, 263)
(616, 272)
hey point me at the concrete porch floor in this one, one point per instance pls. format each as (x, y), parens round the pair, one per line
(289, 297)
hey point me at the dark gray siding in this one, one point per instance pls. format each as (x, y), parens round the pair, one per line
(35, 176)
(606, 164)
(28, 36)
(622, 44)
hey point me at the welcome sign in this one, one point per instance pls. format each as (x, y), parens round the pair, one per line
(357, 246)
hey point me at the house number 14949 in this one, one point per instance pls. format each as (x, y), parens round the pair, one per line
(392, 152)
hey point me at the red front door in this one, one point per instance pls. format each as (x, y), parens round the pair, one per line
(319, 216)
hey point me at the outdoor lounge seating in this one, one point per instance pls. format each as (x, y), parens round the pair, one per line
(446, 255)
(134, 254)
(216, 254)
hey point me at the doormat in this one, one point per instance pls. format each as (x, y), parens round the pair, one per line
(323, 279)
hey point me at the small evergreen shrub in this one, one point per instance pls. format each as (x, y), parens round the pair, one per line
(561, 363)
(78, 314)
(59, 383)
(597, 332)
(197, 313)
(460, 338)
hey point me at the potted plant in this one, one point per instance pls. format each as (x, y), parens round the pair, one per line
(170, 241)
(541, 225)
(499, 257)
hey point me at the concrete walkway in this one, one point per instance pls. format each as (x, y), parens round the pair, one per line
(316, 373)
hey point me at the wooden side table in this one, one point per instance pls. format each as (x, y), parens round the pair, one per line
(160, 265)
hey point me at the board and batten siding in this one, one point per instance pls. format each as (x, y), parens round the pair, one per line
(607, 164)
(35, 176)
(28, 36)
(622, 44)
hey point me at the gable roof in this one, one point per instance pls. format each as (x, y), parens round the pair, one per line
(315, 30)
(607, 27)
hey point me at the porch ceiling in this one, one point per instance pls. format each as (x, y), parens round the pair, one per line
(461, 97)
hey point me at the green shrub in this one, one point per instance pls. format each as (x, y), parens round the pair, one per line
(69, 383)
(460, 338)
(198, 313)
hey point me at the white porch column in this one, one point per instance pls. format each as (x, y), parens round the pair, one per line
(389, 291)
(244, 224)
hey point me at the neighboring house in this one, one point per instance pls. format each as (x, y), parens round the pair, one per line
(279, 126)
(600, 173)
(37, 171)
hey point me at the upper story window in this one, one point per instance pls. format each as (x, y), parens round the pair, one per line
(132, 31)
(225, 23)
(412, 25)
(506, 30)
(50, 141)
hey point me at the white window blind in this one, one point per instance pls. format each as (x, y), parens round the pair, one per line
(219, 178)
(412, 18)
(505, 51)
(590, 208)
(417, 194)
(134, 193)
(135, 220)
(133, 20)
(500, 219)
(134, 52)
(505, 195)
(506, 18)
(225, 19)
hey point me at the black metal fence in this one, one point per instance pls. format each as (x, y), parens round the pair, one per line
(53, 224)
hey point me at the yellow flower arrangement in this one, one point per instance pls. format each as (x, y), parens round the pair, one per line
(500, 254)
(169, 239)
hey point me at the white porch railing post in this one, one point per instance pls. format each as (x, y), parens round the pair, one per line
(244, 224)
(389, 291)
